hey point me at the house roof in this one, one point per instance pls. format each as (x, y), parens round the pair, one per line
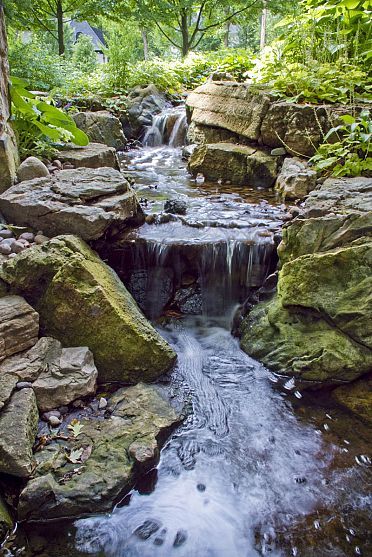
(83, 27)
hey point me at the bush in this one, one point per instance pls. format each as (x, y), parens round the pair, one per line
(84, 56)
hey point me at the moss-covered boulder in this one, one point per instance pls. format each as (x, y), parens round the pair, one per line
(82, 302)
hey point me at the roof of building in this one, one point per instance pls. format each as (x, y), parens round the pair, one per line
(83, 27)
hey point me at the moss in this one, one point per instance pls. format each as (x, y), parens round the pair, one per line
(6, 522)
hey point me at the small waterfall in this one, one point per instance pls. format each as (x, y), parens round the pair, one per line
(168, 128)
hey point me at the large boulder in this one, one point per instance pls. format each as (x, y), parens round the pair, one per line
(295, 179)
(94, 155)
(317, 327)
(239, 164)
(143, 103)
(18, 428)
(31, 168)
(101, 127)
(19, 326)
(65, 274)
(112, 453)
(88, 202)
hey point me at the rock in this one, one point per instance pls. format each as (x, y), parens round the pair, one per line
(102, 403)
(40, 239)
(175, 206)
(29, 236)
(64, 274)
(5, 233)
(94, 155)
(87, 202)
(278, 152)
(70, 375)
(64, 489)
(47, 415)
(317, 327)
(101, 127)
(5, 249)
(198, 134)
(19, 326)
(18, 428)
(240, 164)
(356, 398)
(295, 179)
(17, 247)
(6, 522)
(189, 300)
(142, 104)
(32, 168)
(54, 421)
(24, 385)
(143, 283)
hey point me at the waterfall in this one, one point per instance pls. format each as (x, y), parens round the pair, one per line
(168, 128)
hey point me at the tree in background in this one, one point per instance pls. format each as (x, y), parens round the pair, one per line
(84, 56)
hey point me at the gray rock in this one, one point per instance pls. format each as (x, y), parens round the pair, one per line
(17, 247)
(47, 415)
(101, 127)
(295, 179)
(175, 206)
(6, 233)
(18, 428)
(87, 202)
(54, 421)
(114, 451)
(72, 374)
(278, 152)
(32, 168)
(5, 249)
(94, 155)
(142, 104)
(102, 403)
(189, 300)
(27, 236)
(24, 385)
(19, 326)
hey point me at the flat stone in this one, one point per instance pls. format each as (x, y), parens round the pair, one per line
(31, 168)
(139, 416)
(19, 326)
(87, 202)
(94, 155)
(18, 428)
(101, 127)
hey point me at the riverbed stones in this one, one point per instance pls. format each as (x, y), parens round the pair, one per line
(64, 274)
(31, 168)
(18, 428)
(318, 327)
(19, 326)
(88, 202)
(101, 127)
(295, 179)
(113, 452)
(239, 164)
(94, 155)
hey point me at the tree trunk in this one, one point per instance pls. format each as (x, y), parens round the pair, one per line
(185, 33)
(145, 44)
(263, 25)
(61, 39)
(227, 34)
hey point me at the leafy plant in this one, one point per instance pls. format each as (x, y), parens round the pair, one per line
(346, 148)
(84, 56)
(40, 126)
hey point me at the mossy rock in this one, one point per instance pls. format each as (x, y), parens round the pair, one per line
(82, 302)
(356, 398)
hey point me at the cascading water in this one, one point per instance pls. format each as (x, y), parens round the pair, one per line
(253, 470)
(168, 128)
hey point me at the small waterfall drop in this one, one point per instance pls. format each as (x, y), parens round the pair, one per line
(168, 128)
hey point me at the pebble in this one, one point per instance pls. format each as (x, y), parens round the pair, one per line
(68, 166)
(78, 404)
(40, 239)
(102, 403)
(47, 415)
(57, 163)
(278, 152)
(11, 255)
(24, 385)
(17, 247)
(28, 236)
(180, 538)
(54, 421)
(6, 233)
(63, 410)
(5, 249)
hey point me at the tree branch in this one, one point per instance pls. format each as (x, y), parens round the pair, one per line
(219, 23)
(166, 36)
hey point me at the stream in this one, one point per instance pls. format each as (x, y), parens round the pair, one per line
(256, 468)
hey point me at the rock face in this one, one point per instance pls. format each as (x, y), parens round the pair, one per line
(6, 522)
(113, 452)
(318, 326)
(143, 104)
(65, 274)
(88, 202)
(9, 158)
(101, 127)
(31, 168)
(356, 398)
(295, 179)
(240, 164)
(94, 155)
(257, 116)
(18, 428)
(19, 326)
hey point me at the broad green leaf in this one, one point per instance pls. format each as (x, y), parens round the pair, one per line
(347, 118)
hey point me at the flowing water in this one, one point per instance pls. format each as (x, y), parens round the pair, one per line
(254, 469)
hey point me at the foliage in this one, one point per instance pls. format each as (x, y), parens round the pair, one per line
(76, 429)
(346, 147)
(40, 127)
(84, 56)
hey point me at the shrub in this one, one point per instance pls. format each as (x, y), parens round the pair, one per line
(84, 56)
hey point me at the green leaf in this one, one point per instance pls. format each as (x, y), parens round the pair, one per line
(75, 455)
(75, 427)
(347, 118)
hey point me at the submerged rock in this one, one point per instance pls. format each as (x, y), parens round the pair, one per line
(94, 155)
(18, 428)
(19, 326)
(88, 202)
(318, 326)
(240, 164)
(82, 302)
(101, 127)
(112, 454)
